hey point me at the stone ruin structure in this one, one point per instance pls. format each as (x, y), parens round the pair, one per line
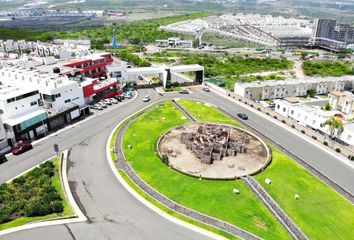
(213, 142)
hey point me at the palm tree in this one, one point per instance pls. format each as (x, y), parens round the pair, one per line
(335, 125)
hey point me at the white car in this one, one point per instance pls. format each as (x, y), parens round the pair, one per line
(103, 104)
(146, 98)
(97, 107)
(107, 101)
(113, 100)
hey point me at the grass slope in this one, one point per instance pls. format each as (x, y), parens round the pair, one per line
(321, 213)
(214, 198)
(66, 212)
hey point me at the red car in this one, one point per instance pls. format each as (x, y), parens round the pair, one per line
(22, 147)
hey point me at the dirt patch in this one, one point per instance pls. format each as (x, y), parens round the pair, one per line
(186, 161)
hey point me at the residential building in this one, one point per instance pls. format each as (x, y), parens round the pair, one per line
(342, 101)
(262, 90)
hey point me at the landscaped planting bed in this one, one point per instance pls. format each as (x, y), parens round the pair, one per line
(36, 195)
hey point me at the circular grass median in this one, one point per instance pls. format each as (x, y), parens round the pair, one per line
(211, 197)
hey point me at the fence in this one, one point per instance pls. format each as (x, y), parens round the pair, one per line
(346, 151)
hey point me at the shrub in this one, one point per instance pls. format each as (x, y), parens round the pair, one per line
(293, 126)
(314, 137)
(275, 117)
(57, 207)
(303, 131)
(283, 121)
(325, 143)
(165, 159)
(338, 150)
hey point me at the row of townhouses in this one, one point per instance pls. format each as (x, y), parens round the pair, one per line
(263, 90)
(311, 115)
(62, 49)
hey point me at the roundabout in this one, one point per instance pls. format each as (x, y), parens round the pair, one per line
(208, 203)
(213, 151)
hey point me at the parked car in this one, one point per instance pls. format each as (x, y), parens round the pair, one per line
(242, 116)
(2, 158)
(146, 98)
(97, 106)
(119, 98)
(184, 91)
(206, 89)
(113, 100)
(22, 147)
(107, 101)
(103, 104)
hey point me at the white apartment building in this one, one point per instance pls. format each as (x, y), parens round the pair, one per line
(311, 116)
(20, 112)
(262, 90)
(342, 101)
(58, 93)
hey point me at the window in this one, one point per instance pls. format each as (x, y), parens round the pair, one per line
(48, 98)
(34, 103)
(284, 109)
(292, 112)
(349, 137)
(67, 100)
(278, 106)
(58, 95)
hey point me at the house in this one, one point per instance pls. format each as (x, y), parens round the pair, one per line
(262, 90)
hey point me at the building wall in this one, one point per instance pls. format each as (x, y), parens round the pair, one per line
(19, 107)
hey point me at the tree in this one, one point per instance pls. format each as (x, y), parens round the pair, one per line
(335, 126)
(304, 55)
(327, 106)
(311, 92)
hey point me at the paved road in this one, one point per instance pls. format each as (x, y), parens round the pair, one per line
(112, 212)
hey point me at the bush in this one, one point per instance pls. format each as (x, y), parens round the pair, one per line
(30, 195)
(165, 159)
(314, 137)
(325, 143)
(338, 150)
(283, 121)
(303, 131)
(293, 126)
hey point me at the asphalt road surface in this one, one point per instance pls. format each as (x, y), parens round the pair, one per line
(112, 212)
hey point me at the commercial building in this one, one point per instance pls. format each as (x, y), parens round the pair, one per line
(174, 42)
(21, 115)
(331, 35)
(262, 90)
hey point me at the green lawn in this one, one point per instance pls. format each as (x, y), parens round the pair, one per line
(214, 198)
(320, 212)
(66, 212)
(203, 112)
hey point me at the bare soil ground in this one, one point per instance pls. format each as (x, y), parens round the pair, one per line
(186, 161)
